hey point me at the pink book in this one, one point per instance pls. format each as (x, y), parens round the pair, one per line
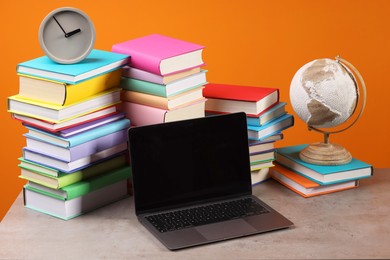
(160, 54)
(146, 115)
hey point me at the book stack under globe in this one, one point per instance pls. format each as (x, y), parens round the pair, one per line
(163, 80)
(75, 158)
(266, 119)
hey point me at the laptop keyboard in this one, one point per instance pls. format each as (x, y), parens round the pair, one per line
(203, 215)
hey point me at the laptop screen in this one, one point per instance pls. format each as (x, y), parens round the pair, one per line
(189, 161)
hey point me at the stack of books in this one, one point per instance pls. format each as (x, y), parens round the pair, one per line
(310, 180)
(266, 119)
(75, 158)
(163, 81)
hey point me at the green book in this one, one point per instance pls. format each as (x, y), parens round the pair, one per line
(83, 187)
(170, 89)
(56, 179)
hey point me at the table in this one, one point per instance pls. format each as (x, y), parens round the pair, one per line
(348, 224)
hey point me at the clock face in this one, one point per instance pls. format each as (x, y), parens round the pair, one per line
(67, 35)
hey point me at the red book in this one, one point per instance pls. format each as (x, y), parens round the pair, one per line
(223, 98)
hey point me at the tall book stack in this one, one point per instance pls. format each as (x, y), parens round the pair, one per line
(266, 119)
(310, 180)
(75, 156)
(163, 81)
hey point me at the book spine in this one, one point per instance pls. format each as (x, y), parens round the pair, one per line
(144, 99)
(143, 115)
(130, 72)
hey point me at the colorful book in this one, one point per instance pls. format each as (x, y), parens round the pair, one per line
(267, 116)
(160, 54)
(147, 115)
(97, 62)
(68, 209)
(261, 157)
(306, 187)
(256, 146)
(224, 98)
(80, 138)
(321, 174)
(271, 128)
(56, 127)
(64, 166)
(77, 152)
(168, 90)
(89, 125)
(58, 114)
(130, 72)
(60, 93)
(82, 187)
(167, 103)
(44, 175)
(261, 165)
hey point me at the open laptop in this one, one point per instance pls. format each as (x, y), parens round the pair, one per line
(192, 183)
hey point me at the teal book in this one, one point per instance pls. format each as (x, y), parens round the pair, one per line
(165, 90)
(97, 62)
(82, 187)
(324, 175)
(72, 141)
(271, 114)
(273, 127)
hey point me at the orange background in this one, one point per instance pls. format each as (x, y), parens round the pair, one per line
(258, 43)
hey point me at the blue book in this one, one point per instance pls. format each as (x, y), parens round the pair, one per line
(77, 139)
(275, 126)
(271, 114)
(324, 175)
(97, 62)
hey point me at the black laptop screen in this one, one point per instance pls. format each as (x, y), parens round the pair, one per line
(188, 161)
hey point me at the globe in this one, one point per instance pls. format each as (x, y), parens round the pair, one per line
(324, 93)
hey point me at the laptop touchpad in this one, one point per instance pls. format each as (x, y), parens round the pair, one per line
(226, 229)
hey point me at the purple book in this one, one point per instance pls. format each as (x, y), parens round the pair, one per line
(78, 151)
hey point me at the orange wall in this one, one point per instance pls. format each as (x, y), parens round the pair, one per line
(253, 42)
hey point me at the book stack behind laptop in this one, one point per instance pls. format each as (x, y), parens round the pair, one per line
(266, 119)
(310, 180)
(75, 155)
(163, 80)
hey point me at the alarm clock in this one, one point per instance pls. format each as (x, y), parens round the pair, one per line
(67, 35)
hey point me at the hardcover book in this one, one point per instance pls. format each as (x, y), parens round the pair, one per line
(167, 103)
(267, 116)
(168, 90)
(130, 72)
(321, 174)
(271, 128)
(60, 93)
(97, 62)
(58, 114)
(56, 179)
(223, 98)
(306, 187)
(56, 127)
(147, 115)
(72, 166)
(80, 138)
(76, 152)
(161, 54)
(68, 209)
(82, 187)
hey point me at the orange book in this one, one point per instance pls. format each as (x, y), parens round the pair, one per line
(306, 187)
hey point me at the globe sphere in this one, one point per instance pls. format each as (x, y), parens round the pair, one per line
(323, 93)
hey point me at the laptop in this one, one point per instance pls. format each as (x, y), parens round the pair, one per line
(192, 182)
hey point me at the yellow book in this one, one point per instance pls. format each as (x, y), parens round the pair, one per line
(58, 114)
(61, 93)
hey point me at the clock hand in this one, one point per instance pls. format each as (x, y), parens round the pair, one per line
(59, 25)
(67, 35)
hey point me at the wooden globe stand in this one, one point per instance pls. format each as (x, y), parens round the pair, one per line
(326, 153)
